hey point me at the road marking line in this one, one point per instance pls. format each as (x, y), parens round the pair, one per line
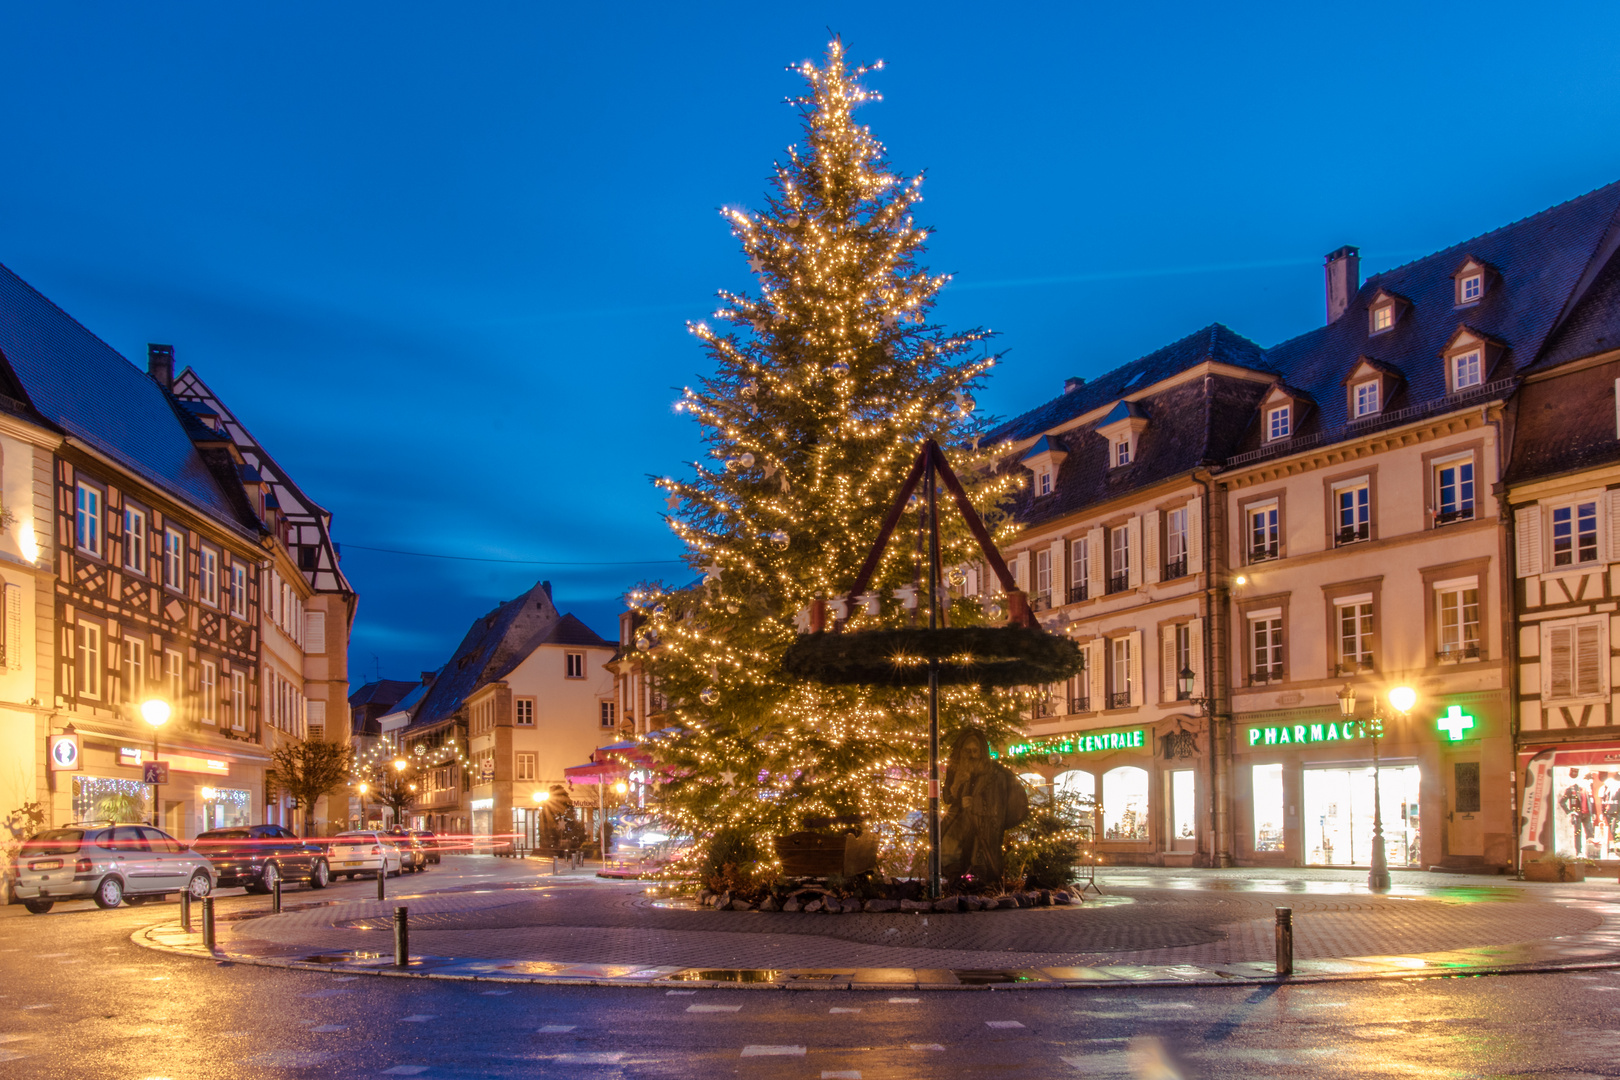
(405, 1070)
(926, 1046)
(496, 993)
(679, 993)
(773, 1051)
(589, 1057)
(1003, 1024)
(346, 978)
(46, 1005)
(713, 1008)
(417, 1019)
(557, 1029)
(904, 1001)
(1171, 1005)
(330, 1028)
(843, 1010)
(843, 1074)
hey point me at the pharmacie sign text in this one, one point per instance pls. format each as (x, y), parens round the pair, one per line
(1082, 744)
(1291, 734)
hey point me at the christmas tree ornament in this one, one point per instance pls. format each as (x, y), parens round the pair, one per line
(643, 643)
(729, 777)
(732, 607)
(709, 695)
(839, 368)
(993, 610)
(747, 461)
(957, 577)
(733, 464)
(779, 540)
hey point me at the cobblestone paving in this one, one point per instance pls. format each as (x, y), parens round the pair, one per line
(619, 924)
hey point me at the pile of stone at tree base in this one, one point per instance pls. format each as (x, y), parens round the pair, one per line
(816, 898)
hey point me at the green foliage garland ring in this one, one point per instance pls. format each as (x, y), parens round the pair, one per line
(985, 656)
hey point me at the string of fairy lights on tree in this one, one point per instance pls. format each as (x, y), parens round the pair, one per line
(827, 377)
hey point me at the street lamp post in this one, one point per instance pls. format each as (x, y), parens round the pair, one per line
(155, 711)
(1401, 699)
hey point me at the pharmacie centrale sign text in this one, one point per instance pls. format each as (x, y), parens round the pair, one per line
(1082, 744)
(1290, 734)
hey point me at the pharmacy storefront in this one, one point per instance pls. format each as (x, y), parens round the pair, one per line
(1143, 785)
(1307, 793)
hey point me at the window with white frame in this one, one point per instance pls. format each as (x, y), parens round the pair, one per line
(1119, 559)
(1366, 395)
(1457, 620)
(134, 670)
(1043, 482)
(1175, 543)
(1454, 490)
(175, 676)
(523, 711)
(525, 766)
(135, 540)
(88, 671)
(239, 587)
(1354, 616)
(609, 713)
(1119, 672)
(1043, 579)
(1471, 288)
(1383, 317)
(1122, 452)
(208, 576)
(1467, 369)
(1263, 531)
(1352, 511)
(1574, 659)
(207, 690)
(1184, 659)
(574, 665)
(1079, 569)
(1574, 534)
(1277, 422)
(1266, 645)
(174, 560)
(238, 700)
(87, 520)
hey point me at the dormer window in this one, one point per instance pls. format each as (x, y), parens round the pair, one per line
(1384, 310)
(1278, 422)
(1366, 397)
(1122, 427)
(1042, 461)
(1122, 452)
(1043, 482)
(1467, 370)
(1383, 317)
(1471, 288)
(1473, 277)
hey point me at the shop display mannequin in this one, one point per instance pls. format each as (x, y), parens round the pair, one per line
(1577, 802)
(1609, 806)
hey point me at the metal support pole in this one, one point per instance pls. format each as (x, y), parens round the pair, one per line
(554, 866)
(382, 877)
(1285, 941)
(275, 897)
(1378, 876)
(933, 685)
(185, 910)
(208, 923)
(402, 937)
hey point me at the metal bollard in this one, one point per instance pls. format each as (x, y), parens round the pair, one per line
(402, 937)
(275, 897)
(1285, 941)
(185, 911)
(208, 923)
(382, 880)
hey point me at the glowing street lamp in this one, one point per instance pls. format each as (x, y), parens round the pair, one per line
(155, 711)
(1401, 699)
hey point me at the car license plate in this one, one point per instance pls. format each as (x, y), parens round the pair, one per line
(352, 862)
(50, 864)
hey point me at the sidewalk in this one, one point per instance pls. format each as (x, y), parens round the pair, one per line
(1182, 927)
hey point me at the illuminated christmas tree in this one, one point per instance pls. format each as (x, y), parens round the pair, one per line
(827, 378)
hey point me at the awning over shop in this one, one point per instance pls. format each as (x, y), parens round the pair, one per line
(610, 763)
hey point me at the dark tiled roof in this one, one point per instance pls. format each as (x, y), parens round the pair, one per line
(1213, 342)
(81, 384)
(1564, 424)
(1593, 326)
(385, 692)
(570, 631)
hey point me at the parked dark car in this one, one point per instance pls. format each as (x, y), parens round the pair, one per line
(423, 841)
(257, 856)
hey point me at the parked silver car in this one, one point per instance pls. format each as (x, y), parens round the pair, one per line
(110, 863)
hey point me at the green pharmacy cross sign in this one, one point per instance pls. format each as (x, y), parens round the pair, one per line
(1454, 723)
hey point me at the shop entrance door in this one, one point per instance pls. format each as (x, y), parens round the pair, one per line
(1464, 835)
(1339, 815)
(1183, 832)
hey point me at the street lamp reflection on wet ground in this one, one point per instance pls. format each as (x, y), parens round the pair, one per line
(1401, 699)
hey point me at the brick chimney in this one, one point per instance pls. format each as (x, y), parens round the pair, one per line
(1343, 280)
(1072, 383)
(160, 365)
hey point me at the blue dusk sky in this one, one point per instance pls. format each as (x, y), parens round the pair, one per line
(439, 257)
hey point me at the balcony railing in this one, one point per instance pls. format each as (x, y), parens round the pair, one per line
(1266, 673)
(1078, 593)
(1079, 703)
(1447, 517)
(1175, 568)
(1042, 708)
(1352, 534)
(1262, 552)
(1120, 700)
(1040, 601)
(1456, 654)
(1118, 583)
(1353, 667)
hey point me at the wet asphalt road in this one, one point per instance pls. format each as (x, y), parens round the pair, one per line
(78, 999)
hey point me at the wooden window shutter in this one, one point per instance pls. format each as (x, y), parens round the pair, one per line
(1150, 547)
(1614, 525)
(1137, 696)
(1133, 544)
(1195, 535)
(1021, 571)
(14, 627)
(1588, 661)
(1195, 655)
(1527, 539)
(1167, 663)
(1097, 559)
(1060, 579)
(315, 631)
(1557, 675)
(1096, 660)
